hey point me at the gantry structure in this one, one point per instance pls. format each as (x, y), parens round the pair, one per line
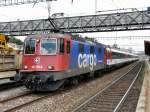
(137, 20)
(19, 2)
(133, 20)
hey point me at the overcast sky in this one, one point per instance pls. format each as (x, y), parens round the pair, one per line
(80, 7)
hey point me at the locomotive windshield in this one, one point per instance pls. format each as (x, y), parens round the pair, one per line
(48, 46)
(30, 46)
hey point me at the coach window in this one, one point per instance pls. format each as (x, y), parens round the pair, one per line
(114, 55)
(29, 46)
(91, 49)
(119, 55)
(81, 48)
(68, 46)
(122, 55)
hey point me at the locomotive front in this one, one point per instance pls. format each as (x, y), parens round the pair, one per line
(44, 59)
(39, 54)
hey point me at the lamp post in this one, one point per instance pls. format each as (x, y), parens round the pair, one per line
(49, 6)
(95, 6)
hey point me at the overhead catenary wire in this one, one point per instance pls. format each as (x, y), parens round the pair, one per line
(124, 37)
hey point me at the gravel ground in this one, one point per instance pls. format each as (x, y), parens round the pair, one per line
(17, 101)
(12, 92)
(66, 100)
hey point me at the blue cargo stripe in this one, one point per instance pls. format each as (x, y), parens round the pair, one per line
(74, 55)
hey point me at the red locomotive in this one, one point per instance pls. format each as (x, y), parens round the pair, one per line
(49, 60)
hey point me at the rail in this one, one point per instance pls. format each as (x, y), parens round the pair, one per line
(113, 95)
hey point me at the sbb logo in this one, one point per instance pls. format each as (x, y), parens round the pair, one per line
(87, 60)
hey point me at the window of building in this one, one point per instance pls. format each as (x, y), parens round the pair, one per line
(3, 43)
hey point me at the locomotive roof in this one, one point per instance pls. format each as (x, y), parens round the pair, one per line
(60, 35)
(50, 35)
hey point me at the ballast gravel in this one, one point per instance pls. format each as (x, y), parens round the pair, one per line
(68, 99)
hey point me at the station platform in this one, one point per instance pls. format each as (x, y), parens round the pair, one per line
(7, 74)
(144, 99)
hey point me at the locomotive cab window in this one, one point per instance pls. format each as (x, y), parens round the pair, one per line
(48, 46)
(30, 46)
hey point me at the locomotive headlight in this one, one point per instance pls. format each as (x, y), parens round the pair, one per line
(50, 67)
(38, 40)
(25, 67)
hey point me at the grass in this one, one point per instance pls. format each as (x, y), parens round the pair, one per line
(142, 73)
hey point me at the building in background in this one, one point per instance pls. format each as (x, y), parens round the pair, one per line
(147, 47)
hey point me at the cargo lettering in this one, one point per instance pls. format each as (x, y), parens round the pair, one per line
(87, 60)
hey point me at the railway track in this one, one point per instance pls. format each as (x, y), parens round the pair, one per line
(15, 97)
(8, 82)
(13, 107)
(20, 105)
(111, 98)
(9, 85)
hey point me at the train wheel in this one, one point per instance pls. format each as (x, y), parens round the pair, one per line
(62, 88)
(28, 86)
(74, 81)
(46, 86)
(97, 74)
(91, 75)
(53, 85)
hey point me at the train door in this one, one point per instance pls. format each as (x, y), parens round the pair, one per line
(105, 56)
(67, 52)
(64, 52)
(108, 56)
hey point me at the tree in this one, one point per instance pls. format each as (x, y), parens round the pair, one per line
(13, 39)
